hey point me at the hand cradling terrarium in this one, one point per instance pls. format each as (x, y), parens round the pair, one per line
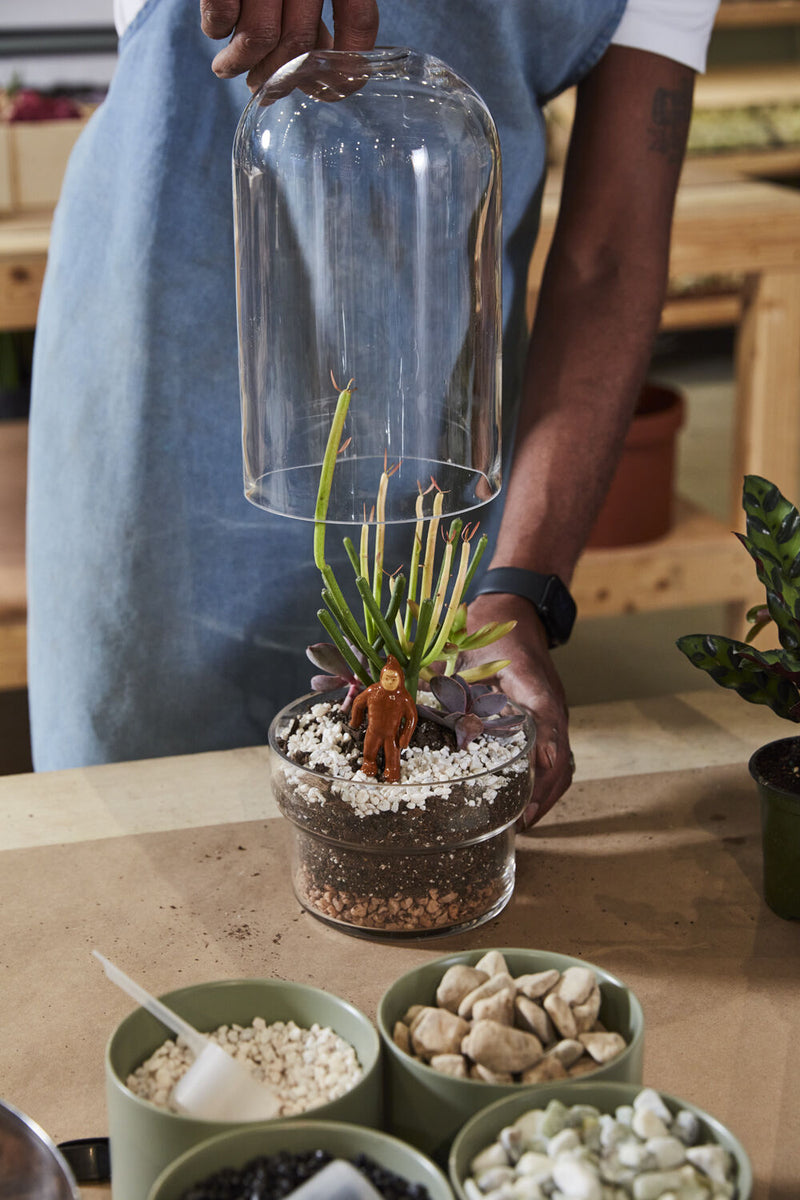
(368, 234)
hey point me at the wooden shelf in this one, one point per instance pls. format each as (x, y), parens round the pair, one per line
(738, 14)
(702, 311)
(24, 240)
(757, 89)
(698, 562)
(748, 86)
(779, 162)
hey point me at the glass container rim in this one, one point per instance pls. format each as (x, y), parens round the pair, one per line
(524, 752)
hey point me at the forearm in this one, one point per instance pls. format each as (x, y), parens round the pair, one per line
(598, 308)
(589, 352)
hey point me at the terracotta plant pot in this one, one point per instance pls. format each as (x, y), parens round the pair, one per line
(638, 507)
(776, 769)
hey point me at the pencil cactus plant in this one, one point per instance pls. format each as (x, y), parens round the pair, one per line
(770, 677)
(423, 624)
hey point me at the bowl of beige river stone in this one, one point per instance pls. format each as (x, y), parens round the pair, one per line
(463, 1031)
(318, 1053)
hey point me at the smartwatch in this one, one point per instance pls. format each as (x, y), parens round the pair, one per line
(548, 595)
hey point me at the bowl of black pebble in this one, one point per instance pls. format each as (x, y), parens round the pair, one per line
(274, 1160)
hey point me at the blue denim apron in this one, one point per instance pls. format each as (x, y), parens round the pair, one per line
(166, 614)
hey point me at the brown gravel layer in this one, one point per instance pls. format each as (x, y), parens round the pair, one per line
(404, 892)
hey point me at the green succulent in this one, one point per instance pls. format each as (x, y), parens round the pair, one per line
(423, 623)
(770, 677)
(469, 710)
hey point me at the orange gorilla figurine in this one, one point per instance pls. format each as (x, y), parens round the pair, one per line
(391, 720)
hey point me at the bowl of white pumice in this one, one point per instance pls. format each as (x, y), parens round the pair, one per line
(318, 1054)
(465, 1030)
(596, 1139)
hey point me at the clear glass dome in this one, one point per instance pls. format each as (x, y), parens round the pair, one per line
(368, 247)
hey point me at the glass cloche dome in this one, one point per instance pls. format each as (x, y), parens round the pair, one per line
(368, 248)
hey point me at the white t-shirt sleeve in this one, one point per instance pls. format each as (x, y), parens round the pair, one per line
(124, 12)
(679, 29)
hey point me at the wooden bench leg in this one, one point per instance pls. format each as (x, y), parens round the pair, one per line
(767, 400)
(13, 665)
(768, 385)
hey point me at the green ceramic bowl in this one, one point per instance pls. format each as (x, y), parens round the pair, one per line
(145, 1138)
(482, 1130)
(427, 1108)
(239, 1146)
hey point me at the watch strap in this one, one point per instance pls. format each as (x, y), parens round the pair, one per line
(550, 597)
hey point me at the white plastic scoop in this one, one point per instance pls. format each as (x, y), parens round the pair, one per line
(216, 1087)
(338, 1181)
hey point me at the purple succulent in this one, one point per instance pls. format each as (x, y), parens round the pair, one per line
(470, 709)
(338, 673)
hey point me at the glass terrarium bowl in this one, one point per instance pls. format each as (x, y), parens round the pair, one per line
(368, 235)
(427, 858)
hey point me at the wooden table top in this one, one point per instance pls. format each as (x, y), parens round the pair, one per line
(650, 867)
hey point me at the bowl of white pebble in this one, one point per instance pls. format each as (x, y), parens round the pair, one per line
(465, 1030)
(275, 1159)
(595, 1139)
(317, 1052)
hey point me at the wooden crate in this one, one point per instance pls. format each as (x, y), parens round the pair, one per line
(33, 158)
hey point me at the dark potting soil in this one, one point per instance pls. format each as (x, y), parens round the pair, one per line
(275, 1176)
(779, 764)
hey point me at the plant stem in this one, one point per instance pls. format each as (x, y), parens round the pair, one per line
(420, 637)
(380, 535)
(381, 625)
(483, 541)
(436, 647)
(350, 550)
(398, 592)
(445, 570)
(326, 474)
(332, 629)
(363, 569)
(350, 628)
(430, 547)
(415, 553)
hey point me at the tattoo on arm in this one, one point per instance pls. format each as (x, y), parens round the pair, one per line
(669, 125)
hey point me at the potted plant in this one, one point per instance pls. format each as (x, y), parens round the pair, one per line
(406, 827)
(768, 677)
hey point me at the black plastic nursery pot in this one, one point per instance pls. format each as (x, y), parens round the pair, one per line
(775, 767)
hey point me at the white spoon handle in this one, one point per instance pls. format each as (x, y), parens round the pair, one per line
(195, 1040)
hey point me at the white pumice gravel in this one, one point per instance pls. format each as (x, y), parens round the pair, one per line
(305, 1067)
(579, 1153)
(323, 744)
